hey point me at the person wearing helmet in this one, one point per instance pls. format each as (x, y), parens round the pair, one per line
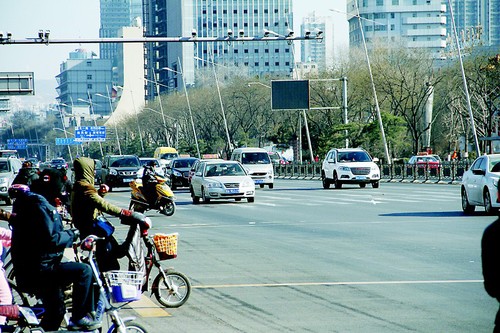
(87, 204)
(38, 242)
(27, 174)
(149, 182)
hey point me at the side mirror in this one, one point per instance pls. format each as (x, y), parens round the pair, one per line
(478, 172)
(375, 159)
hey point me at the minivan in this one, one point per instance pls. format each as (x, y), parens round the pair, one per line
(257, 163)
(165, 155)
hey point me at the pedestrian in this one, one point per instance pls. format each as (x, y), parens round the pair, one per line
(5, 292)
(38, 242)
(87, 204)
(490, 257)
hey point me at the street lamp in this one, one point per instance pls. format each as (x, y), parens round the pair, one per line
(189, 106)
(92, 115)
(116, 128)
(175, 125)
(136, 116)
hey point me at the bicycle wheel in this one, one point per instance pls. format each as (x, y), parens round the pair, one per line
(175, 296)
(132, 328)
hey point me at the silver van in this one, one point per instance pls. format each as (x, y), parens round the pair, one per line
(9, 168)
(257, 163)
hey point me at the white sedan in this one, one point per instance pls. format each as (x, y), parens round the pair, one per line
(479, 184)
(216, 179)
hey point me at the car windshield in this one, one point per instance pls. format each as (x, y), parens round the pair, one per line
(168, 156)
(255, 158)
(183, 163)
(354, 156)
(144, 162)
(4, 166)
(224, 169)
(125, 162)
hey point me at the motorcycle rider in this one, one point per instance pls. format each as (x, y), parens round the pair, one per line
(27, 174)
(38, 242)
(149, 183)
(87, 204)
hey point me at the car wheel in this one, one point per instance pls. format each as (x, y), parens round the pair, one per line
(251, 199)
(336, 181)
(261, 185)
(376, 185)
(362, 185)
(488, 207)
(204, 197)
(466, 207)
(196, 199)
(271, 186)
(325, 181)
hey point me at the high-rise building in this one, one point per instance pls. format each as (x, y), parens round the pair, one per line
(476, 21)
(411, 23)
(216, 18)
(116, 14)
(81, 76)
(319, 53)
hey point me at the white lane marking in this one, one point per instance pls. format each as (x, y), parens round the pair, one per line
(346, 283)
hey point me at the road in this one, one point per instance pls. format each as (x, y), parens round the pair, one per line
(401, 258)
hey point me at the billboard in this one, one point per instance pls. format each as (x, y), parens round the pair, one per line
(290, 95)
(17, 83)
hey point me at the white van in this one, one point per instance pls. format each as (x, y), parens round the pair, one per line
(257, 163)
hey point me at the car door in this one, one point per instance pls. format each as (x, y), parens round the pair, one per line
(476, 180)
(197, 179)
(329, 164)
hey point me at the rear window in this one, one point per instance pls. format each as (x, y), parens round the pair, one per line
(255, 158)
(183, 163)
(354, 156)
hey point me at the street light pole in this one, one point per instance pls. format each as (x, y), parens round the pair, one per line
(189, 106)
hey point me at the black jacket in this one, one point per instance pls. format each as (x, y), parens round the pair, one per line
(38, 239)
(490, 254)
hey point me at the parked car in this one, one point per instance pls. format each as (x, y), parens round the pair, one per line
(178, 171)
(119, 170)
(349, 166)
(158, 167)
(479, 184)
(9, 168)
(216, 179)
(59, 163)
(422, 161)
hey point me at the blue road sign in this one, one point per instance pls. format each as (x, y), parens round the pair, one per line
(17, 143)
(90, 133)
(66, 141)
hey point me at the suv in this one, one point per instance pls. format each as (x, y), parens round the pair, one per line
(349, 166)
(9, 168)
(119, 170)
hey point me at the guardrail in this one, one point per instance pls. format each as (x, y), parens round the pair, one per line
(446, 172)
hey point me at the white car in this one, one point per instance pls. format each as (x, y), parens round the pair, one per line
(218, 179)
(349, 166)
(479, 184)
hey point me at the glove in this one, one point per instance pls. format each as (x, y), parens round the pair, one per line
(76, 234)
(88, 243)
(145, 225)
(129, 217)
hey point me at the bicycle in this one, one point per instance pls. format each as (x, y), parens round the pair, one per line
(171, 288)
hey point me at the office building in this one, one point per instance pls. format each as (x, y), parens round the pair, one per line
(409, 23)
(319, 53)
(116, 14)
(81, 76)
(216, 19)
(477, 22)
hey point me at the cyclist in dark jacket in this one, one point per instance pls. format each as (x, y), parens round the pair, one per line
(38, 242)
(27, 174)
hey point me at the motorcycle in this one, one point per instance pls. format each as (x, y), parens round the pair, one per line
(164, 197)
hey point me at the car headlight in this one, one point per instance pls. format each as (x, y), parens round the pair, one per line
(214, 185)
(375, 168)
(177, 173)
(113, 172)
(247, 183)
(344, 168)
(4, 181)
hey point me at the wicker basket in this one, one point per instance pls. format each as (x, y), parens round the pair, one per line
(166, 245)
(125, 285)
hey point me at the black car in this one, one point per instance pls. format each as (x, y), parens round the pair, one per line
(178, 171)
(119, 170)
(59, 163)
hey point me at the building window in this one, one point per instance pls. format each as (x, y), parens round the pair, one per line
(276, 24)
(393, 27)
(276, 11)
(266, 11)
(380, 2)
(256, 50)
(287, 50)
(256, 64)
(277, 63)
(287, 63)
(224, 11)
(393, 15)
(276, 50)
(245, 11)
(266, 51)
(89, 76)
(256, 24)
(414, 2)
(235, 11)
(89, 86)
(395, 2)
(89, 63)
(266, 64)
(245, 24)
(235, 50)
(266, 24)
(245, 51)
(245, 63)
(255, 11)
(235, 25)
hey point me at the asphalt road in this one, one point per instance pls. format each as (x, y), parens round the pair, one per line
(401, 258)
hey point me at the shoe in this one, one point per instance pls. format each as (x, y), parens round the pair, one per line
(84, 324)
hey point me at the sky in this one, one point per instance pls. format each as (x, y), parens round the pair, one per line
(80, 19)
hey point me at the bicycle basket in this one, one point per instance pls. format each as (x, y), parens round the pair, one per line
(166, 245)
(125, 285)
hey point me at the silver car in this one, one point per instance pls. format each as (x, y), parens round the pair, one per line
(479, 184)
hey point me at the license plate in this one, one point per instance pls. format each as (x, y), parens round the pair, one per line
(361, 177)
(258, 181)
(232, 190)
(127, 180)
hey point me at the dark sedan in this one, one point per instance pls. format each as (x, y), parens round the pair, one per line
(59, 163)
(178, 171)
